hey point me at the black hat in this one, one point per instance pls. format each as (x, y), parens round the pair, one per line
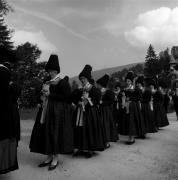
(66, 78)
(130, 75)
(86, 72)
(172, 60)
(103, 81)
(53, 63)
(140, 80)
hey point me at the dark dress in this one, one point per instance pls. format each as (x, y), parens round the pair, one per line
(132, 123)
(106, 110)
(58, 120)
(166, 102)
(55, 135)
(160, 115)
(175, 101)
(37, 140)
(15, 92)
(89, 131)
(147, 111)
(117, 110)
(8, 143)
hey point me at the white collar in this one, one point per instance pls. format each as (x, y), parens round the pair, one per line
(130, 87)
(87, 86)
(56, 77)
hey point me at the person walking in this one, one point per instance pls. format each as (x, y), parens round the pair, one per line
(106, 110)
(89, 132)
(56, 115)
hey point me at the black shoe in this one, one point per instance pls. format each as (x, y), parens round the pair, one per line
(77, 153)
(88, 154)
(52, 167)
(43, 164)
(130, 142)
(108, 146)
(141, 137)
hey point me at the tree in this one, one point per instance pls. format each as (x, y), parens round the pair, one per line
(164, 59)
(28, 73)
(151, 63)
(137, 69)
(27, 66)
(4, 7)
(6, 45)
(5, 35)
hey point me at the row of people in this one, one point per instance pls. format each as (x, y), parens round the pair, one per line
(89, 118)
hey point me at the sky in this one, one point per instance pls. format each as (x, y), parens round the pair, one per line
(102, 33)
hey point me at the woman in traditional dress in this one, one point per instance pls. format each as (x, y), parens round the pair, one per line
(8, 142)
(106, 109)
(117, 106)
(160, 116)
(146, 105)
(89, 132)
(56, 115)
(174, 94)
(132, 120)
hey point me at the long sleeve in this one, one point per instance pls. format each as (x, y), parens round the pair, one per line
(95, 95)
(76, 96)
(61, 91)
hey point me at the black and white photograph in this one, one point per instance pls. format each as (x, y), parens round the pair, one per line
(88, 89)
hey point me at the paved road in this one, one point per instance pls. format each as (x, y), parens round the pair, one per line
(155, 158)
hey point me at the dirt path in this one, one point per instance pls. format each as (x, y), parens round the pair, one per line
(155, 158)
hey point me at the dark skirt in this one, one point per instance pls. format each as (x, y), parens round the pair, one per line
(37, 141)
(110, 127)
(148, 117)
(58, 128)
(132, 124)
(8, 155)
(160, 115)
(90, 136)
(123, 122)
(16, 119)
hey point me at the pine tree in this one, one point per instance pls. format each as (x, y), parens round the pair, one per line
(6, 45)
(164, 59)
(151, 63)
(5, 35)
(4, 7)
